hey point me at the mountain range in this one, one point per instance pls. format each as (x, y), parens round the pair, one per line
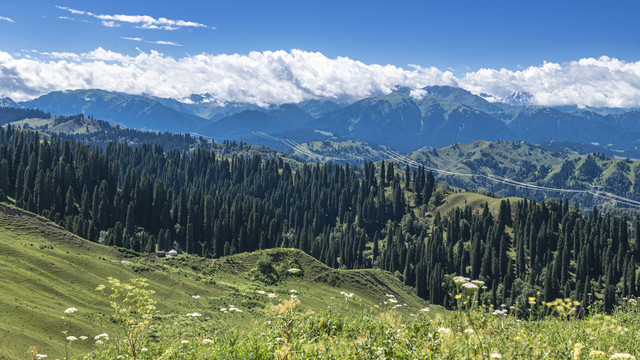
(406, 120)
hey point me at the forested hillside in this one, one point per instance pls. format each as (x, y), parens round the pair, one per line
(145, 198)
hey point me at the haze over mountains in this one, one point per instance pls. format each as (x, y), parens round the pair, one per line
(405, 119)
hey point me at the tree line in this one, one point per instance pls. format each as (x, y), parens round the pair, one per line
(377, 215)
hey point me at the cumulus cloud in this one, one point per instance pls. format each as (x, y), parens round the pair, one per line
(4, 18)
(275, 77)
(603, 81)
(141, 21)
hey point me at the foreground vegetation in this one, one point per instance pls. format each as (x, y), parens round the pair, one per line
(556, 330)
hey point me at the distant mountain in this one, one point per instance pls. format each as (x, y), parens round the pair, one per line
(319, 108)
(407, 123)
(519, 99)
(132, 111)
(465, 97)
(211, 110)
(7, 102)
(542, 124)
(242, 125)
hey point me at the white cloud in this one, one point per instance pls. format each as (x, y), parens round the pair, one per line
(131, 38)
(111, 24)
(140, 21)
(603, 81)
(296, 75)
(4, 18)
(418, 94)
(162, 42)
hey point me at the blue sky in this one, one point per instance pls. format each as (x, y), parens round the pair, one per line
(456, 34)
(460, 37)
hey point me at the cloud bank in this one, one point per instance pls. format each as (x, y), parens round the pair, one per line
(275, 77)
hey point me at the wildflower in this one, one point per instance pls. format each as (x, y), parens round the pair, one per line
(261, 292)
(478, 283)
(622, 356)
(468, 331)
(71, 338)
(144, 349)
(195, 314)
(82, 337)
(459, 280)
(393, 300)
(271, 295)
(70, 310)
(444, 330)
(99, 342)
(103, 335)
(425, 309)
(293, 297)
(496, 356)
(292, 291)
(458, 296)
(596, 353)
(294, 270)
(532, 300)
(281, 339)
(223, 309)
(184, 342)
(41, 356)
(577, 348)
(196, 296)
(389, 295)
(470, 286)
(207, 341)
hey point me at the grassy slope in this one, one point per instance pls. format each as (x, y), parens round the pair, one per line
(475, 200)
(44, 270)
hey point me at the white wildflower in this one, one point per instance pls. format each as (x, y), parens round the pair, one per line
(196, 296)
(71, 338)
(460, 280)
(393, 300)
(294, 270)
(195, 314)
(478, 283)
(184, 342)
(103, 335)
(496, 356)
(41, 356)
(622, 356)
(292, 291)
(470, 286)
(207, 341)
(70, 310)
(271, 295)
(425, 309)
(82, 337)
(444, 330)
(261, 292)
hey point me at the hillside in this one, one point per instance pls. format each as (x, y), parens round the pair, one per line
(527, 163)
(45, 270)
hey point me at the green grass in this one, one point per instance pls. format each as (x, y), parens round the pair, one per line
(45, 270)
(474, 200)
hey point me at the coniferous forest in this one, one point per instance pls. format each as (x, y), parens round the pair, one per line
(144, 198)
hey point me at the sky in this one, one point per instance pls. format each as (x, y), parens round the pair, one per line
(561, 52)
